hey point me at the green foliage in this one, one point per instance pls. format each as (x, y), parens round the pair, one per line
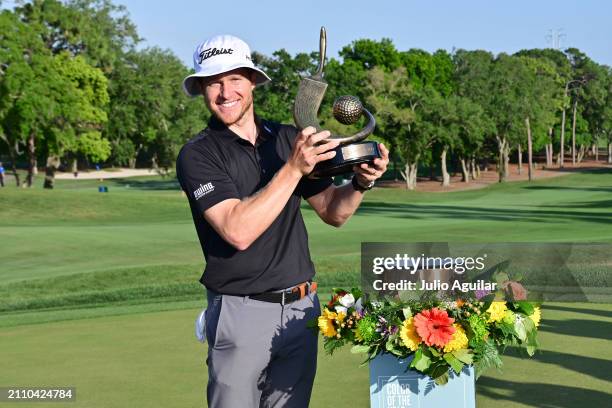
(98, 30)
(425, 70)
(274, 101)
(370, 54)
(487, 357)
(421, 360)
(464, 355)
(392, 99)
(453, 362)
(149, 112)
(333, 344)
(540, 96)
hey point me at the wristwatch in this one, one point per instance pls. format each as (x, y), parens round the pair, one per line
(359, 187)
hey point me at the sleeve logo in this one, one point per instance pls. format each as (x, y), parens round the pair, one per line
(203, 190)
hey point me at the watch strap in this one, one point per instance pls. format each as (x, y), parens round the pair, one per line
(359, 187)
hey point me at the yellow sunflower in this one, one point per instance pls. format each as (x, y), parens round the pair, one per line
(536, 316)
(326, 323)
(409, 336)
(459, 340)
(497, 311)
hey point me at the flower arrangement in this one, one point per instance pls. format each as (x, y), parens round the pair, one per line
(440, 335)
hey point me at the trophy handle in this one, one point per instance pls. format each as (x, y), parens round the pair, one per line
(322, 51)
(310, 95)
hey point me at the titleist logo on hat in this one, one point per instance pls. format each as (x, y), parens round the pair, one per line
(232, 53)
(211, 52)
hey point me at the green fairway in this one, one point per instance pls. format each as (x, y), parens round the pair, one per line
(75, 246)
(75, 229)
(100, 291)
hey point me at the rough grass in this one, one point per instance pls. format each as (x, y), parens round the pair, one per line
(134, 285)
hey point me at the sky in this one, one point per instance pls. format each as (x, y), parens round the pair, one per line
(268, 25)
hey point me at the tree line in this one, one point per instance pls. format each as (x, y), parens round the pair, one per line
(75, 90)
(468, 108)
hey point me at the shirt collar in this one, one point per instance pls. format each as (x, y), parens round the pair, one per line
(219, 128)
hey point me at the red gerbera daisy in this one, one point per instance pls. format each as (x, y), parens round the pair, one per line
(434, 327)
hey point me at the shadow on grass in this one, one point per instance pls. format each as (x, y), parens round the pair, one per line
(585, 204)
(169, 183)
(586, 170)
(591, 366)
(541, 395)
(580, 328)
(593, 189)
(603, 313)
(416, 211)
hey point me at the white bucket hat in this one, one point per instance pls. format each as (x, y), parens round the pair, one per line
(219, 54)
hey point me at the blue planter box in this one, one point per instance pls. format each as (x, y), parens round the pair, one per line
(392, 386)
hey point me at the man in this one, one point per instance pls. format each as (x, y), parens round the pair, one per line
(244, 178)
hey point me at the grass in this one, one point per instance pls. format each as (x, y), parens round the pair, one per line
(152, 360)
(75, 229)
(100, 290)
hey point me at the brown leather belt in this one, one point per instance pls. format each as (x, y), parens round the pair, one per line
(287, 296)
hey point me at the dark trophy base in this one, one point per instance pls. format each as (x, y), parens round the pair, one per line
(346, 157)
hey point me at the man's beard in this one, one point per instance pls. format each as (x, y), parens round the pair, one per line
(243, 112)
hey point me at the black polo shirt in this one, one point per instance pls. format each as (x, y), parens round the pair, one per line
(217, 165)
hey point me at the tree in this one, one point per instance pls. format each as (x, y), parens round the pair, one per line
(594, 102)
(605, 125)
(471, 125)
(429, 71)
(393, 102)
(98, 30)
(472, 79)
(63, 113)
(437, 121)
(80, 114)
(564, 74)
(538, 100)
(275, 100)
(508, 91)
(583, 71)
(149, 113)
(370, 54)
(26, 103)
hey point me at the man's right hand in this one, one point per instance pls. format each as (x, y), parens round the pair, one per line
(307, 151)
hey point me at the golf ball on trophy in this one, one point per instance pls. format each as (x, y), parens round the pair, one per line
(347, 109)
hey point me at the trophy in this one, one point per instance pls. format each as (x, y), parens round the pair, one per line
(346, 110)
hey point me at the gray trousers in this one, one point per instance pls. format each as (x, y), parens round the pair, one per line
(260, 354)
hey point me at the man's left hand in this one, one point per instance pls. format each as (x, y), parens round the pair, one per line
(369, 172)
